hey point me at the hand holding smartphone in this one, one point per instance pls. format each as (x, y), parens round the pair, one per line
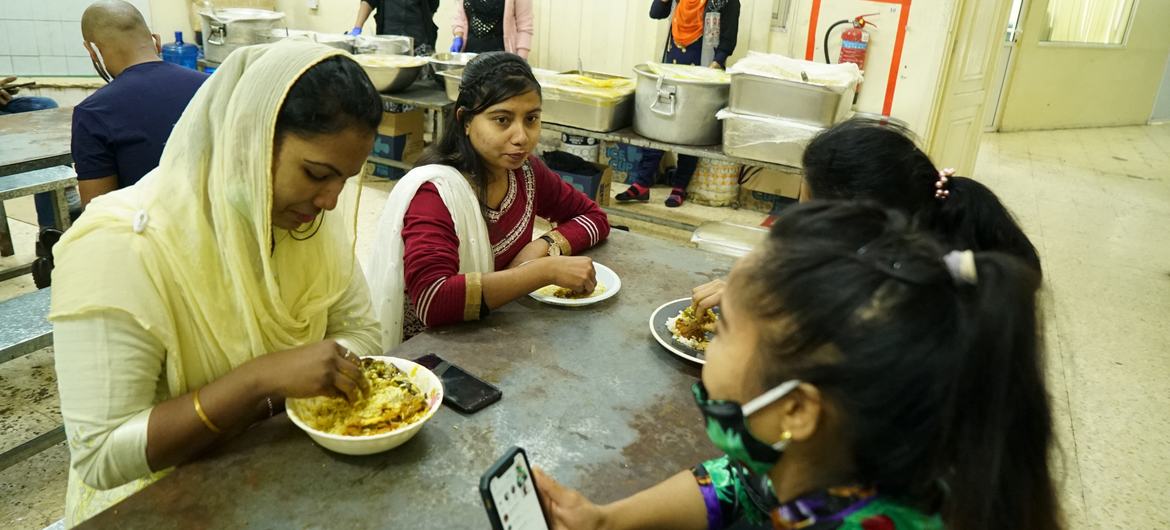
(510, 496)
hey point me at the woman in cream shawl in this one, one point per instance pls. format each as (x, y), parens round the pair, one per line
(190, 305)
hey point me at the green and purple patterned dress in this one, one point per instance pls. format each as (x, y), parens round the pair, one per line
(731, 493)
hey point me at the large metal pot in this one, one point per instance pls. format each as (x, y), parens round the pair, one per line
(339, 41)
(678, 111)
(384, 45)
(224, 30)
(391, 73)
(447, 61)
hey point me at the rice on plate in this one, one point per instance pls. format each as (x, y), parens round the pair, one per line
(696, 334)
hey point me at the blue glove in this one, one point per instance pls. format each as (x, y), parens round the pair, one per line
(457, 45)
(355, 31)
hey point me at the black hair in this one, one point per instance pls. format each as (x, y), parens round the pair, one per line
(939, 382)
(878, 160)
(489, 79)
(329, 97)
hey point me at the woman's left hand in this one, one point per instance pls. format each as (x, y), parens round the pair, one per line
(716, 65)
(536, 249)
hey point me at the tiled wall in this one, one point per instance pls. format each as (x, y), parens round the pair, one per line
(43, 37)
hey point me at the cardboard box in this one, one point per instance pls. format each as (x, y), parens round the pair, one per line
(596, 187)
(773, 182)
(400, 137)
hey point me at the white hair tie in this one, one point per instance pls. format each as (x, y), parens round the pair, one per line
(961, 265)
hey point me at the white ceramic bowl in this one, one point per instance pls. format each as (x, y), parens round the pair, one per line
(426, 380)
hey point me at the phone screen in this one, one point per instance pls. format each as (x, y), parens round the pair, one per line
(461, 390)
(514, 494)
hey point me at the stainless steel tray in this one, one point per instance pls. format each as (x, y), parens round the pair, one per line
(581, 112)
(737, 130)
(779, 98)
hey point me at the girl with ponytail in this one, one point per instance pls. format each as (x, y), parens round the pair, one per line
(875, 160)
(864, 377)
(864, 159)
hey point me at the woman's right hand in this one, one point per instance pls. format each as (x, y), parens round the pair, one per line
(572, 272)
(321, 369)
(708, 295)
(565, 508)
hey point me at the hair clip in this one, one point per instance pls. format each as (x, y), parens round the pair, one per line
(961, 265)
(940, 186)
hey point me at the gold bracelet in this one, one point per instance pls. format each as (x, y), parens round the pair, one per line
(203, 415)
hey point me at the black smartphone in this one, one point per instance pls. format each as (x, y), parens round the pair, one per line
(13, 89)
(461, 391)
(510, 496)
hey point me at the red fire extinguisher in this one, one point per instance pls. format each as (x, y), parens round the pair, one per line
(854, 42)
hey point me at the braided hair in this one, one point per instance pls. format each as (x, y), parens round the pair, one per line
(489, 79)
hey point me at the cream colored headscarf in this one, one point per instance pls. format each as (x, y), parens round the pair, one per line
(201, 225)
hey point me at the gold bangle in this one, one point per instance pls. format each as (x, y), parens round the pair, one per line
(203, 415)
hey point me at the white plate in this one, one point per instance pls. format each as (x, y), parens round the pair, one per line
(663, 335)
(606, 278)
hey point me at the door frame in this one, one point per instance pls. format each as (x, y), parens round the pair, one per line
(1010, 68)
(943, 86)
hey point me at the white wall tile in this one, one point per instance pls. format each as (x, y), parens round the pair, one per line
(5, 65)
(56, 8)
(71, 10)
(72, 40)
(26, 65)
(4, 49)
(56, 37)
(44, 32)
(54, 65)
(45, 9)
(81, 66)
(21, 10)
(22, 39)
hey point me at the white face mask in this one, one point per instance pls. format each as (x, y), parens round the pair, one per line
(100, 63)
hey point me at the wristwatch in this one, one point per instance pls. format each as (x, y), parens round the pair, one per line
(553, 248)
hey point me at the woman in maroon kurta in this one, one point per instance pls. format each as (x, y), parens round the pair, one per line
(492, 133)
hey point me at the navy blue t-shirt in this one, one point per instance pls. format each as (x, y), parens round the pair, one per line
(121, 129)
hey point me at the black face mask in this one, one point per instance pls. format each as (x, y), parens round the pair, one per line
(728, 430)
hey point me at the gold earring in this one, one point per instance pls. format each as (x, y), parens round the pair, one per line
(786, 436)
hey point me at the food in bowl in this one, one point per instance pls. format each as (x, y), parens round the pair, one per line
(691, 331)
(392, 402)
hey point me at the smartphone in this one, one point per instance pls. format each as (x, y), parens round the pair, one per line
(461, 391)
(13, 89)
(510, 496)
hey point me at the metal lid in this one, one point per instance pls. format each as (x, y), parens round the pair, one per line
(237, 14)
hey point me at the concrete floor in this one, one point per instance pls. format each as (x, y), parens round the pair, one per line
(1095, 202)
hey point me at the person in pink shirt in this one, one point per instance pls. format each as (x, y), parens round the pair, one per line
(492, 25)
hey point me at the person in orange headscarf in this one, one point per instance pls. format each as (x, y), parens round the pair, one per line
(702, 32)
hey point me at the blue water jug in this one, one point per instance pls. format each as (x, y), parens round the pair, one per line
(181, 53)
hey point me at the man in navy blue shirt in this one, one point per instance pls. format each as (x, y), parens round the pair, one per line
(120, 130)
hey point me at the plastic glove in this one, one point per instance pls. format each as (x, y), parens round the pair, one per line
(355, 31)
(457, 45)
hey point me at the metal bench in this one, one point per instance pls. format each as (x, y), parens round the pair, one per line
(54, 180)
(24, 328)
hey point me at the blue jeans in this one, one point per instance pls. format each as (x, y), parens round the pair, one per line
(27, 104)
(44, 201)
(648, 168)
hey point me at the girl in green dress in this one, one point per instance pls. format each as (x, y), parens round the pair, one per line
(862, 378)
